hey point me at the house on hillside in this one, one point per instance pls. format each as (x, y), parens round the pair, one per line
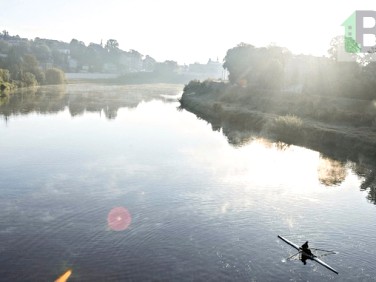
(130, 61)
(72, 64)
(110, 68)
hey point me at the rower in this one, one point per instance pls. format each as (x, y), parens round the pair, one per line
(306, 253)
(306, 249)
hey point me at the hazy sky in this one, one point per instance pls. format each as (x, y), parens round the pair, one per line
(183, 30)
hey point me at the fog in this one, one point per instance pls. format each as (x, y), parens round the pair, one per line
(184, 31)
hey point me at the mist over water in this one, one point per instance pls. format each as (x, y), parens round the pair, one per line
(116, 183)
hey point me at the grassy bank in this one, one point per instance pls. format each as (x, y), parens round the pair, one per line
(342, 128)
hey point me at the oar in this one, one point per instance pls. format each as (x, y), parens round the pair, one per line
(324, 255)
(312, 257)
(323, 250)
(293, 256)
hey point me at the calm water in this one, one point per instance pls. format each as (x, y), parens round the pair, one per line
(201, 209)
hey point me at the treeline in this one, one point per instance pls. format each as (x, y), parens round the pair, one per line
(20, 65)
(298, 99)
(75, 56)
(25, 62)
(321, 103)
(25, 71)
(276, 68)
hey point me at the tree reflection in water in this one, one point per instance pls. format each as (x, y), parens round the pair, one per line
(368, 175)
(107, 99)
(331, 172)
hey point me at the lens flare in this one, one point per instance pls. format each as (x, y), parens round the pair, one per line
(65, 276)
(119, 219)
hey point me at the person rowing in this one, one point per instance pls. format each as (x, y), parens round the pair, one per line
(306, 249)
(306, 252)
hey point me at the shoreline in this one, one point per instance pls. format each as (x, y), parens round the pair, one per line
(235, 109)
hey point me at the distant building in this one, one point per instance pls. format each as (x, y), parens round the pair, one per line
(110, 68)
(97, 47)
(212, 69)
(130, 62)
(64, 51)
(72, 64)
(85, 68)
(148, 64)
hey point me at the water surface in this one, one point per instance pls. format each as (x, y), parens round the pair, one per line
(201, 209)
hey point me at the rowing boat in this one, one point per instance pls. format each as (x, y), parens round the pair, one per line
(312, 257)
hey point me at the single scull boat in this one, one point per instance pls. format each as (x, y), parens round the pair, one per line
(312, 257)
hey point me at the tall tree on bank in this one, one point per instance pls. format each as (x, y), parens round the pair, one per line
(238, 62)
(257, 67)
(112, 45)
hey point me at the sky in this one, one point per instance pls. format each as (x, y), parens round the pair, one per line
(185, 31)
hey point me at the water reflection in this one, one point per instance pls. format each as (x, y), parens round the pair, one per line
(106, 99)
(368, 176)
(334, 162)
(331, 172)
(198, 208)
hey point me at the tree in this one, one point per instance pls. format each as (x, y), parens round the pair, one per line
(114, 53)
(4, 47)
(343, 48)
(27, 79)
(77, 51)
(4, 75)
(239, 62)
(112, 45)
(31, 64)
(55, 76)
(259, 67)
(272, 75)
(42, 52)
(5, 34)
(166, 68)
(96, 57)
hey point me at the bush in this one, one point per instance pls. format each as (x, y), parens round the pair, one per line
(28, 79)
(288, 121)
(55, 76)
(288, 127)
(192, 87)
(4, 75)
(206, 87)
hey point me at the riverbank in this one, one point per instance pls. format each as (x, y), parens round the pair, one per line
(132, 78)
(344, 129)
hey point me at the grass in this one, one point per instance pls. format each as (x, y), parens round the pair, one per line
(287, 128)
(328, 124)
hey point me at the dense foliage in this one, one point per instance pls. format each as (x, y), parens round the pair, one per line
(29, 61)
(55, 76)
(261, 67)
(23, 63)
(275, 68)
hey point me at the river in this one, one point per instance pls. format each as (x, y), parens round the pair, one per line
(119, 184)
